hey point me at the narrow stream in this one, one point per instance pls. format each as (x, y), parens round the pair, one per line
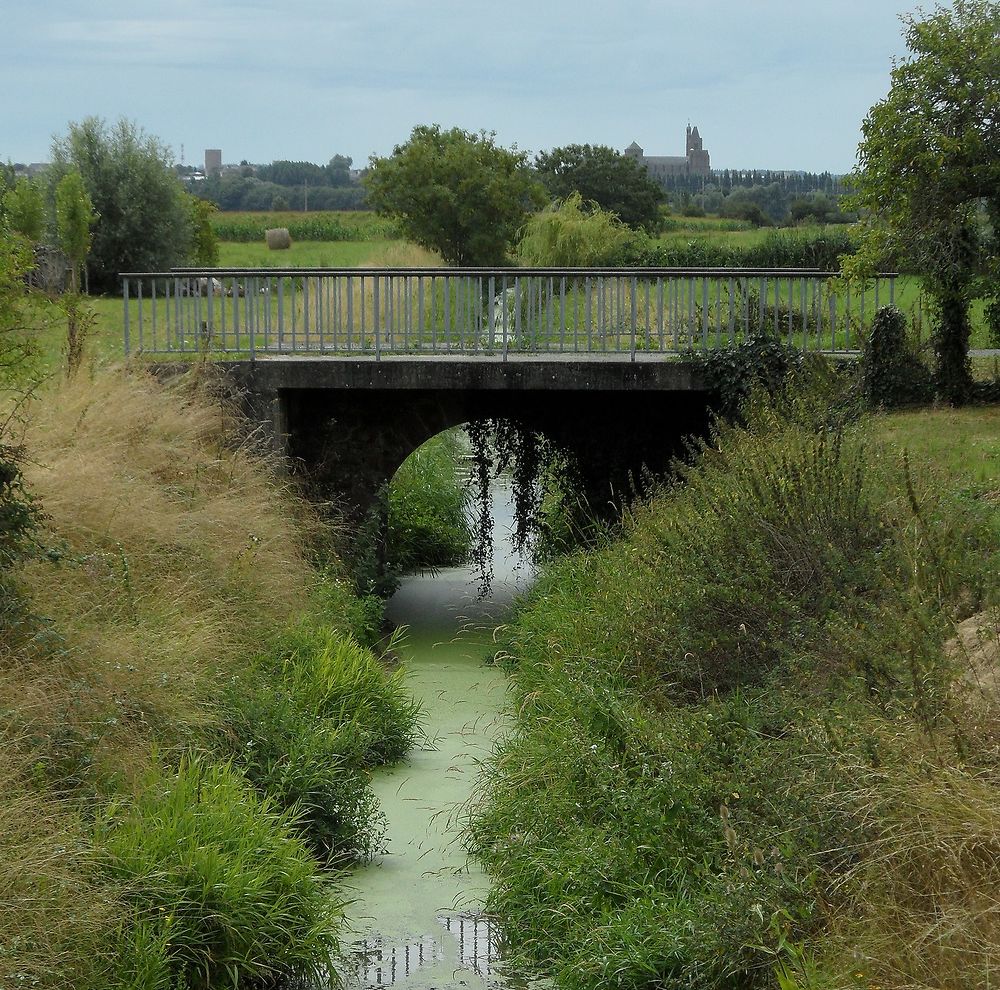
(418, 910)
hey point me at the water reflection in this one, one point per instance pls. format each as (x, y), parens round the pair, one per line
(478, 941)
(377, 964)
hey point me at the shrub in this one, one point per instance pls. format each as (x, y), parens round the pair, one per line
(702, 706)
(345, 683)
(572, 234)
(892, 375)
(217, 881)
(307, 724)
(733, 372)
(307, 764)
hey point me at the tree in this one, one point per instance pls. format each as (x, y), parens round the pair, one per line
(928, 173)
(144, 222)
(74, 218)
(568, 235)
(601, 175)
(205, 245)
(24, 205)
(338, 171)
(456, 193)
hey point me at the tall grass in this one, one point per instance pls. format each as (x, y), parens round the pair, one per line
(169, 556)
(307, 724)
(428, 508)
(217, 873)
(723, 720)
(345, 683)
(54, 916)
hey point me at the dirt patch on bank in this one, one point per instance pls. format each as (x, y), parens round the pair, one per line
(977, 646)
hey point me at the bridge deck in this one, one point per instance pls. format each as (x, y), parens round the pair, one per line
(529, 373)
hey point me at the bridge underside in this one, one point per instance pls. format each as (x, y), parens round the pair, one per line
(351, 423)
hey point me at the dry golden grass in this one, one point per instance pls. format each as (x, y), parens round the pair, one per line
(52, 916)
(401, 254)
(178, 554)
(172, 553)
(923, 911)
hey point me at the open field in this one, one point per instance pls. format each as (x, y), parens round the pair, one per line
(728, 233)
(304, 254)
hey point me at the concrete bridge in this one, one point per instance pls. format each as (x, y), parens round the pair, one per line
(352, 421)
(352, 369)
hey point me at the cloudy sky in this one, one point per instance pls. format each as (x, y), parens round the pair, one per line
(770, 83)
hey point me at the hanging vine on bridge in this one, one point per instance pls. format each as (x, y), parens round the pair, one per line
(533, 463)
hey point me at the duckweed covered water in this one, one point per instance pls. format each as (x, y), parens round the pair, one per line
(418, 913)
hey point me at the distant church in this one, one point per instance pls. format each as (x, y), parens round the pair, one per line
(695, 162)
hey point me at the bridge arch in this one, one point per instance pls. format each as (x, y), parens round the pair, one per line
(351, 439)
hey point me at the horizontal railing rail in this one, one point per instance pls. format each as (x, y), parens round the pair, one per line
(493, 312)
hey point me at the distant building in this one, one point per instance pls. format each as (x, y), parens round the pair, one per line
(694, 162)
(213, 161)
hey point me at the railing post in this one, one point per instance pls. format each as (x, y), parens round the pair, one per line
(635, 311)
(128, 327)
(376, 329)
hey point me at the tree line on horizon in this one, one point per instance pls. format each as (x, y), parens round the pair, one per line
(763, 197)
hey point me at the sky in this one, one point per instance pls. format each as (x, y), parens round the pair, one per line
(780, 84)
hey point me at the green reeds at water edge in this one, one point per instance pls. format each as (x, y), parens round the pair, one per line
(224, 894)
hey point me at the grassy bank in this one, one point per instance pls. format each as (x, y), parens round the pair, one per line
(189, 716)
(751, 749)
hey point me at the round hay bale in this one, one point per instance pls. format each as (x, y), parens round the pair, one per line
(278, 239)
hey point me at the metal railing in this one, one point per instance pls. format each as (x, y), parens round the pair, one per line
(495, 312)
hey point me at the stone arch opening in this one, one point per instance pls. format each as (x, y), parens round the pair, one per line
(350, 442)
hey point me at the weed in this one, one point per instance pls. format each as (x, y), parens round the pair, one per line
(723, 720)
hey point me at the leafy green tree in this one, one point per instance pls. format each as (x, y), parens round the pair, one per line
(456, 193)
(24, 205)
(205, 246)
(144, 222)
(19, 374)
(929, 173)
(338, 171)
(601, 175)
(286, 173)
(74, 218)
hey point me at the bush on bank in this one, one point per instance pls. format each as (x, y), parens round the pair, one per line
(223, 894)
(738, 726)
(307, 725)
(164, 560)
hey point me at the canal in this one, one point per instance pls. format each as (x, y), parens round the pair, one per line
(417, 918)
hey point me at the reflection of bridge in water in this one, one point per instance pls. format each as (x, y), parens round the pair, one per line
(495, 312)
(379, 965)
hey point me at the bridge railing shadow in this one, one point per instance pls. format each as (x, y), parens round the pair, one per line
(491, 312)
